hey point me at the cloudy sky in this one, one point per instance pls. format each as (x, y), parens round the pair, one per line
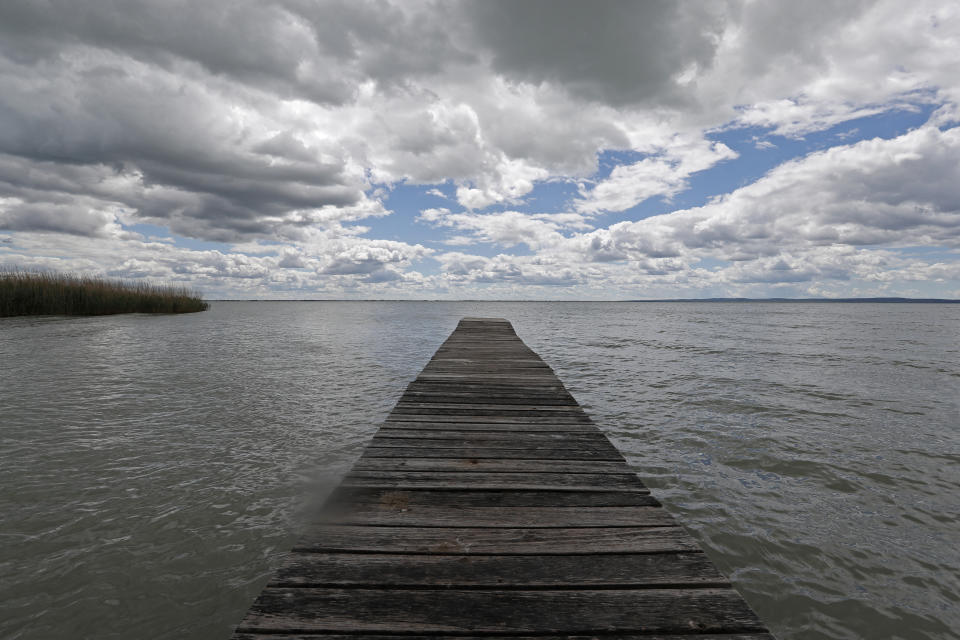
(544, 149)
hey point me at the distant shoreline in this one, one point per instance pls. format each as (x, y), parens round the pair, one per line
(844, 300)
(811, 300)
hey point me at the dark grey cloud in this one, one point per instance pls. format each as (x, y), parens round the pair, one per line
(791, 35)
(316, 50)
(256, 42)
(73, 218)
(385, 42)
(180, 101)
(166, 144)
(611, 51)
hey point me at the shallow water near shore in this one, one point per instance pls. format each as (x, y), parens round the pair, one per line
(153, 468)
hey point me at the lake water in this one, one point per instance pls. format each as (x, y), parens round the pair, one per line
(152, 469)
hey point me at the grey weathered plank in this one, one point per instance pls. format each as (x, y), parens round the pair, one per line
(482, 452)
(491, 465)
(551, 388)
(457, 499)
(379, 570)
(506, 410)
(485, 480)
(516, 442)
(486, 541)
(534, 373)
(433, 398)
(513, 611)
(559, 421)
(454, 395)
(513, 427)
(453, 432)
(546, 379)
(483, 391)
(419, 515)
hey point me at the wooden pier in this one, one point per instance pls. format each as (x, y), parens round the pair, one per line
(488, 504)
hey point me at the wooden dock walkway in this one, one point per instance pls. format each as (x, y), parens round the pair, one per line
(489, 505)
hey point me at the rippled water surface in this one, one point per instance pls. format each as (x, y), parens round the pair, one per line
(153, 468)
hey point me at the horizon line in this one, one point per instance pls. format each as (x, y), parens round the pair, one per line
(885, 299)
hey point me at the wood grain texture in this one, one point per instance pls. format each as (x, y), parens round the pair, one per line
(494, 481)
(500, 441)
(514, 611)
(551, 426)
(529, 453)
(454, 432)
(428, 515)
(581, 419)
(500, 498)
(637, 571)
(466, 540)
(447, 398)
(485, 409)
(491, 465)
(489, 505)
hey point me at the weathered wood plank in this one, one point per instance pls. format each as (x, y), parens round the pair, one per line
(547, 379)
(448, 438)
(404, 499)
(440, 408)
(513, 611)
(458, 391)
(481, 452)
(512, 427)
(525, 437)
(483, 387)
(474, 394)
(582, 419)
(414, 398)
(556, 411)
(422, 515)
(481, 414)
(492, 367)
(495, 443)
(516, 376)
(381, 570)
(456, 357)
(492, 363)
(491, 465)
(516, 449)
(486, 541)
(483, 480)
(499, 375)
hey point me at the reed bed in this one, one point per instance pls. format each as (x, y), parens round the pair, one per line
(25, 293)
